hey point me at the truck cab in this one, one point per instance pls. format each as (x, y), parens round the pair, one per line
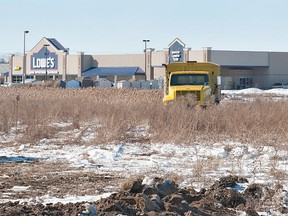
(192, 82)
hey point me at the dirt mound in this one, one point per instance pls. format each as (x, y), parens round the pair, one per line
(164, 197)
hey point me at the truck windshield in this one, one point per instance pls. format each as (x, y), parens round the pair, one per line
(189, 79)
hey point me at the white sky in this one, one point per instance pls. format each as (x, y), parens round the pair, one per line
(114, 26)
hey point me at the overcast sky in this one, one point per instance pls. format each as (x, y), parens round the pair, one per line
(119, 26)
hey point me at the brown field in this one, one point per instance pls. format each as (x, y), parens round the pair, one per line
(29, 115)
(119, 111)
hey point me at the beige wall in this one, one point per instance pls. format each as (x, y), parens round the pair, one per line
(158, 58)
(72, 64)
(17, 61)
(240, 58)
(196, 55)
(278, 63)
(278, 68)
(120, 60)
(159, 72)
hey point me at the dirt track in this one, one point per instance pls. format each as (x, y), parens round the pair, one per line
(55, 179)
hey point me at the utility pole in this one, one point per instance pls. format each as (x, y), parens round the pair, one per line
(24, 58)
(145, 41)
(46, 53)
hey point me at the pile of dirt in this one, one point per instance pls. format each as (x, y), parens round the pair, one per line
(164, 197)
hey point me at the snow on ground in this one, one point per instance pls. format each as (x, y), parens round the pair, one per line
(276, 91)
(196, 165)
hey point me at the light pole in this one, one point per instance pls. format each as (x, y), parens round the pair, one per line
(46, 53)
(145, 41)
(24, 58)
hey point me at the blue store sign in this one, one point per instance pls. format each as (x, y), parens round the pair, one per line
(38, 60)
(176, 52)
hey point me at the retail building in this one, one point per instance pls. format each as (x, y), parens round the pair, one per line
(48, 59)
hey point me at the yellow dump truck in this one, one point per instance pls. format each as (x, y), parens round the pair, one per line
(192, 82)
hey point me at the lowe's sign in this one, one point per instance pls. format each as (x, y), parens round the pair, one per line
(40, 60)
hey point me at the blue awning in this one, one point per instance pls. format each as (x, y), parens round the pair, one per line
(112, 71)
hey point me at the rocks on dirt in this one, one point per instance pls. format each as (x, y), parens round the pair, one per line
(163, 197)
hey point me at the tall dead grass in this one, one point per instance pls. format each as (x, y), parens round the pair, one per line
(118, 111)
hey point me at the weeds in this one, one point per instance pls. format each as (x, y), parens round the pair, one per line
(120, 110)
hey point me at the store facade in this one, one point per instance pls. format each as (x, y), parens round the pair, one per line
(49, 60)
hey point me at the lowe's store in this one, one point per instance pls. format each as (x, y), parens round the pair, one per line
(50, 60)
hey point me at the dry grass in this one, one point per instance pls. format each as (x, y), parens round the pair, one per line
(118, 111)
